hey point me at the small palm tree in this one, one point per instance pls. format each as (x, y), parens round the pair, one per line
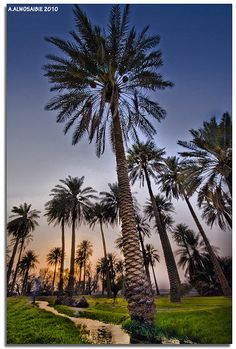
(79, 261)
(101, 270)
(28, 262)
(111, 201)
(78, 201)
(54, 258)
(58, 212)
(102, 214)
(152, 258)
(177, 183)
(24, 221)
(86, 251)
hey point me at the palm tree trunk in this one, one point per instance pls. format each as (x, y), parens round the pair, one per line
(168, 253)
(72, 259)
(219, 273)
(102, 283)
(79, 283)
(84, 275)
(54, 276)
(138, 294)
(17, 266)
(154, 276)
(105, 256)
(145, 260)
(60, 288)
(24, 286)
(10, 266)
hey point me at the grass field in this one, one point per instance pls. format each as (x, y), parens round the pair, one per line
(26, 324)
(204, 320)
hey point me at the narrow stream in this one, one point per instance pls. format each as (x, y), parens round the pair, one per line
(96, 332)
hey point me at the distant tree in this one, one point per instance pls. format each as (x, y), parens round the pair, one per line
(23, 222)
(28, 262)
(54, 258)
(152, 258)
(86, 251)
(78, 200)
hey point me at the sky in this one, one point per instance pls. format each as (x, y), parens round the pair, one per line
(196, 47)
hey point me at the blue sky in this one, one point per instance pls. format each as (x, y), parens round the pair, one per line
(196, 47)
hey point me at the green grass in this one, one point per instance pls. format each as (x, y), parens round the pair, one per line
(204, 320)
(27, 324)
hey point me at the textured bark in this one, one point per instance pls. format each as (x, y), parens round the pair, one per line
(219, 273)
(72, 260)
(17, 266)
(168, 253)
(108, 281)
(10, 266)
(145, 260)
(137, 292)
(60, 288)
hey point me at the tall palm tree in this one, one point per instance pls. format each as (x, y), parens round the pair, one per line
(86, 251)
(153, 257)
(102, 214)
(101, 77)
(58, 212)
(144, 161)
(23, 222)
(54, 257)
(211, 149)
(175, 183)
(28, 262)
(101, 270)
(78, 201)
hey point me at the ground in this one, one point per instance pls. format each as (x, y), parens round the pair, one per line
(204, 320)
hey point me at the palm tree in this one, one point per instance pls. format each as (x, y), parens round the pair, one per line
(57, 212)
(175, 183)
(190, 251)
(102, 214)
(28, 261)
(211, 149)
(79, 261)
(144, 161)
(78, 201)
(111, 202)
(53, 258)
(101, 269)
(101, 77)
(86, 251)
(153, 257)
(24, 221)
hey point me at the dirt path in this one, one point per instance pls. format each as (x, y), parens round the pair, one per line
(96, 331)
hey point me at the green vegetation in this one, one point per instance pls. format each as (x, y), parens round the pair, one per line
(205, 320)
(26, 324)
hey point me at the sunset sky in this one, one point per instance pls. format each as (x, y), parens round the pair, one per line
(196, 48)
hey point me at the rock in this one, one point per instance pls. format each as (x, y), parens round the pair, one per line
(82, 303)
(66, 300)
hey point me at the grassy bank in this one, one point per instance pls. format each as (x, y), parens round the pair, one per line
(205, 320)
(26, 324)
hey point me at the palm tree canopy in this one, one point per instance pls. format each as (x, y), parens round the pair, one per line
(78, 199)
(29, 261)
(152, 254)
(99, 212)
(164, 206)
(57, 209)
(84, 250)
(211, 149)
(95, 65)
(24, 220)
(111, 202)
(142, 225)
(54, 256)
(144, 156)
